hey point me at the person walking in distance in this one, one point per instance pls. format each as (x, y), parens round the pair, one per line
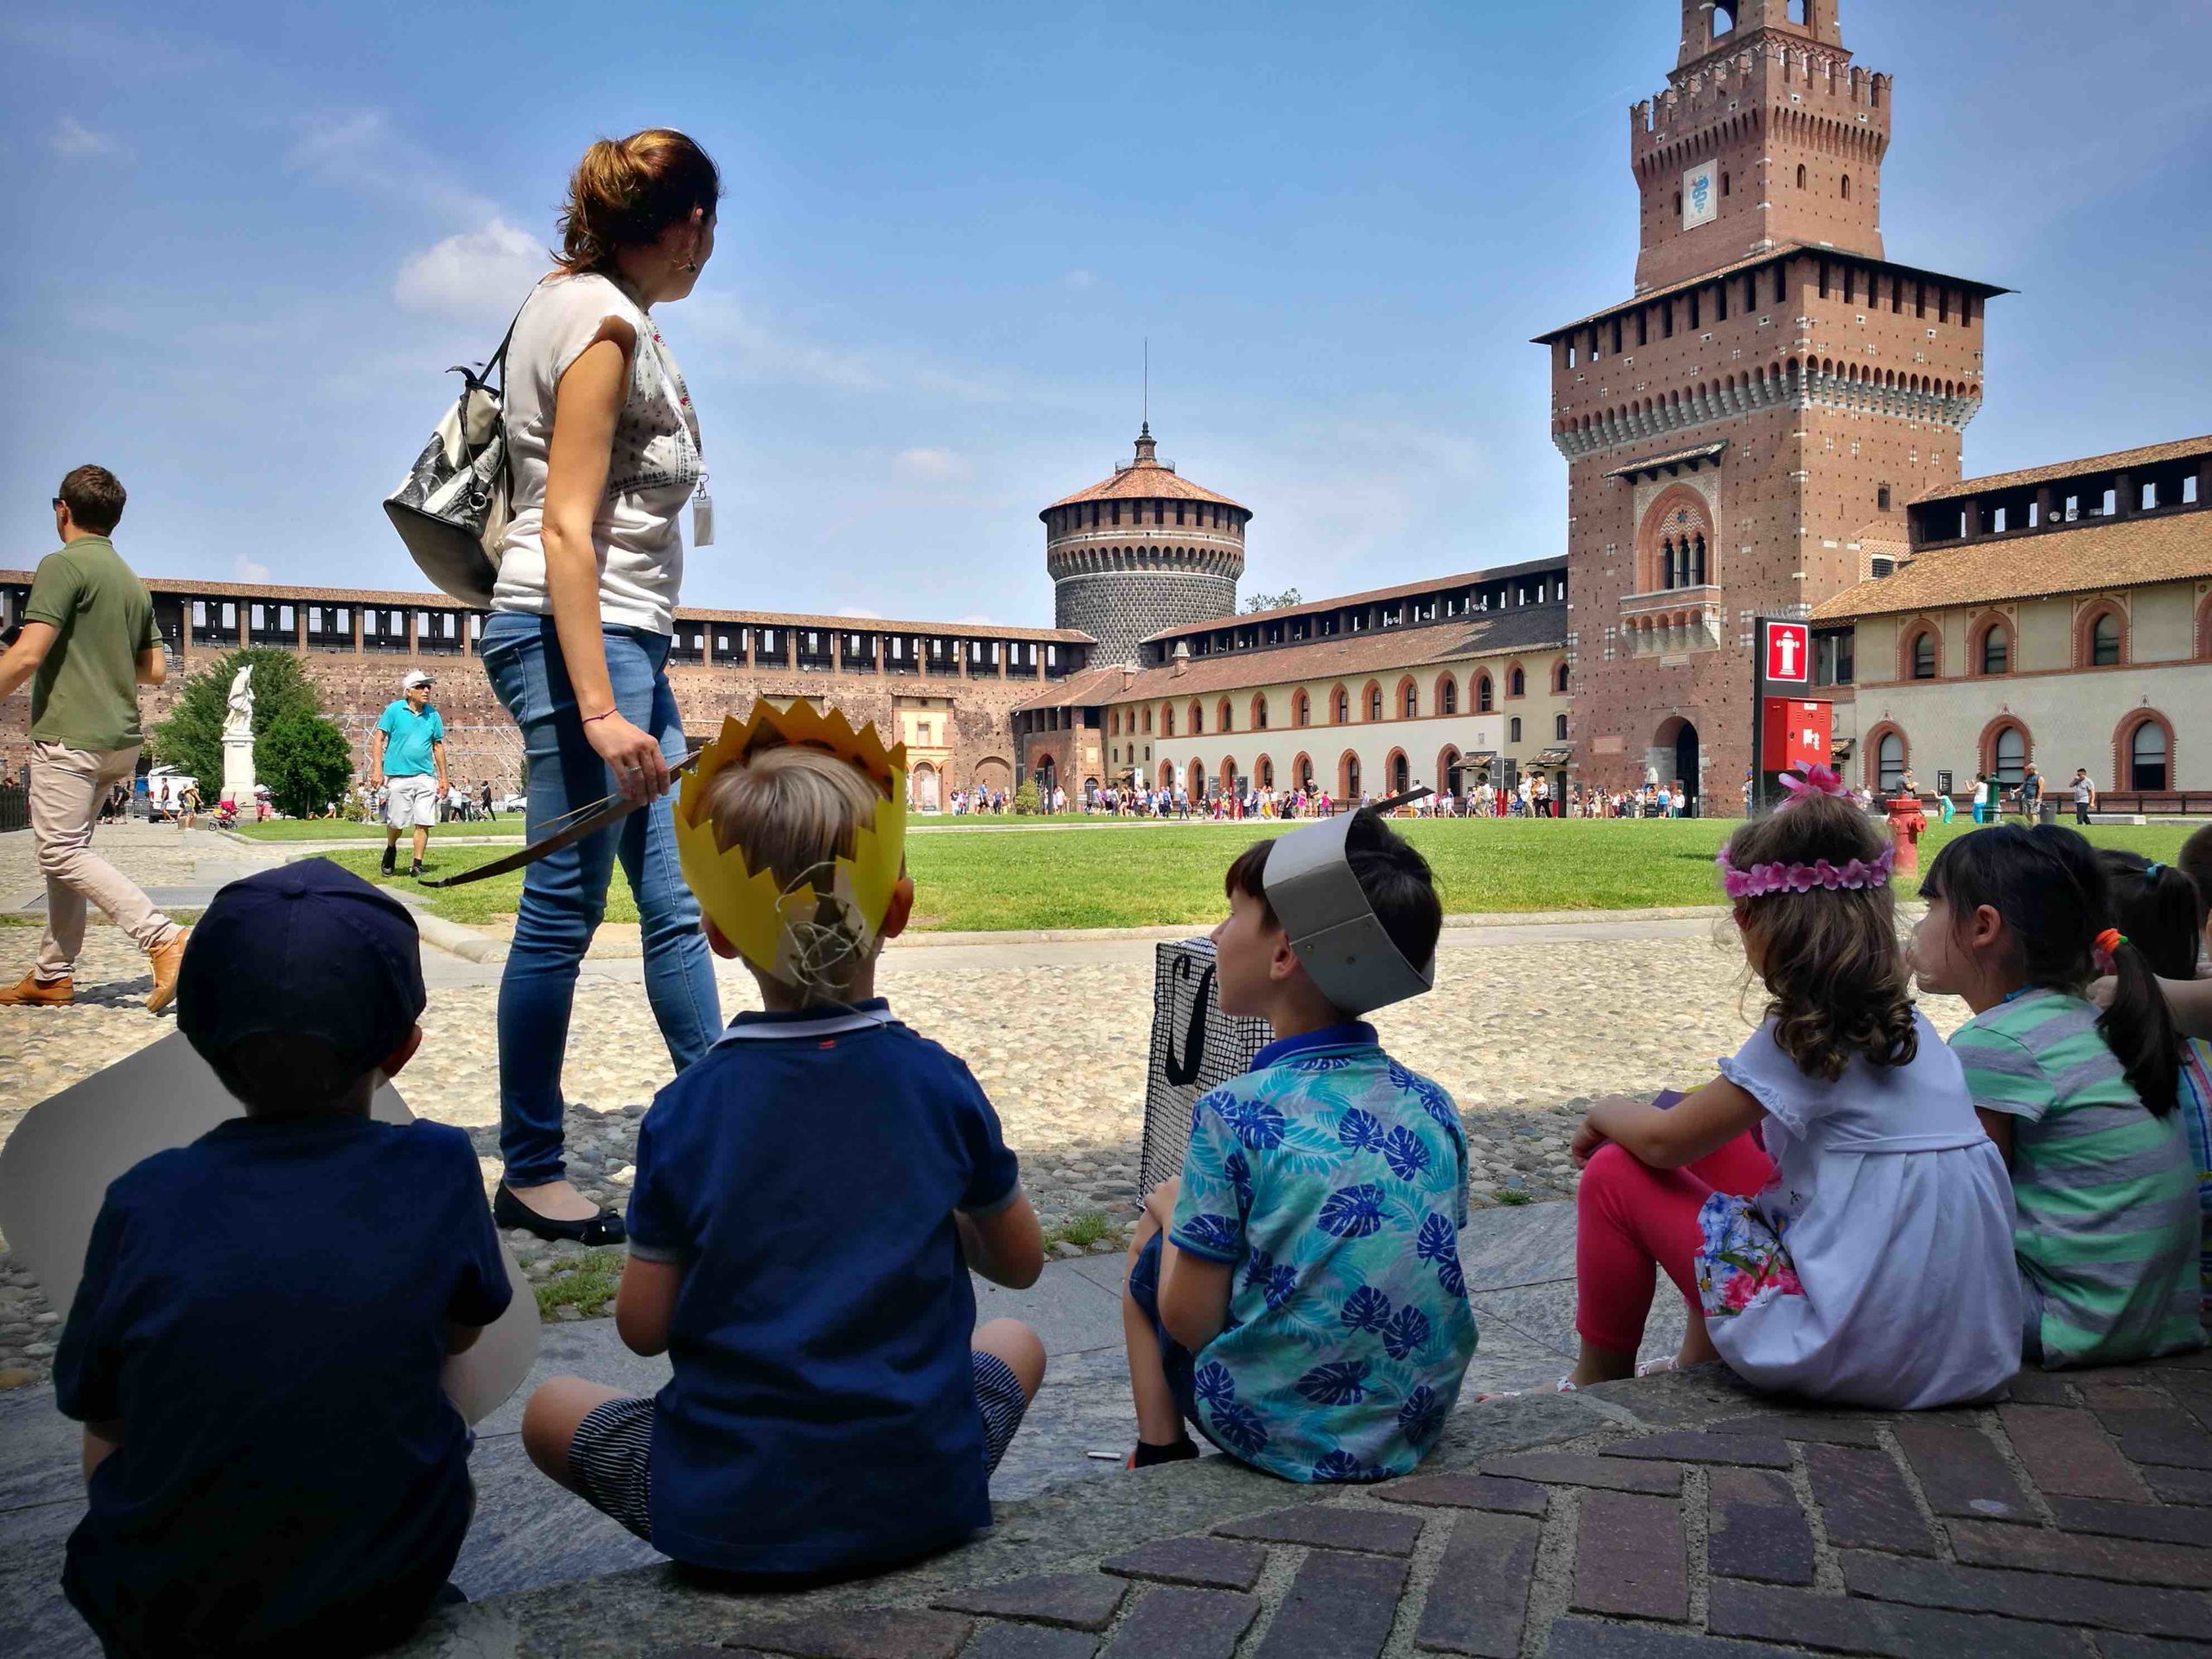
(2084, 792)
(88, 643)
(408, 758)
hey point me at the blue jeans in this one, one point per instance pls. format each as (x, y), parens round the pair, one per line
(564, 896)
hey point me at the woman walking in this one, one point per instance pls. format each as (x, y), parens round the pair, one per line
(604, 447)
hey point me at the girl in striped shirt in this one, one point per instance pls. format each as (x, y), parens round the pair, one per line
(2082, 1104)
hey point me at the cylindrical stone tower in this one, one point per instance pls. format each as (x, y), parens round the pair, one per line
(1144, 550)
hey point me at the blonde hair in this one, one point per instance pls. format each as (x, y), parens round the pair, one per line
(626, 191)
(793, 811)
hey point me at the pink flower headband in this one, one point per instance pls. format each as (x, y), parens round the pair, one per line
(1762, 879)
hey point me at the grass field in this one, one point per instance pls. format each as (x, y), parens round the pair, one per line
(346, 829)
(1099, 876)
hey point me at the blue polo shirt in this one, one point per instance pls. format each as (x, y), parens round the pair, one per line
(265, 1312)
(822, 1413)
(408, 737)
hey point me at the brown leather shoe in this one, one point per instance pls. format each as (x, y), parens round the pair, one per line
(167, 959)
(36, 993)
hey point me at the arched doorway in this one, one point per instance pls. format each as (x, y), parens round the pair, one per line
(1686, 765)
(1047, 775)
(925, 796)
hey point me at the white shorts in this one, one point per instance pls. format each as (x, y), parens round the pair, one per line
(411, 802)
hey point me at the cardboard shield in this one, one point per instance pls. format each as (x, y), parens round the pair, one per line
(56, 1167)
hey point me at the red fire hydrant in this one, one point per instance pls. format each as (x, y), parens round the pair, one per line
(1907, 822)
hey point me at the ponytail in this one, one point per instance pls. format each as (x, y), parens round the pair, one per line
(2138, 1027)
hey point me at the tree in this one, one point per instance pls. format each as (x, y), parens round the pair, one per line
(306, 762)
(191, 738)
(1272, 601)
(1027, 803)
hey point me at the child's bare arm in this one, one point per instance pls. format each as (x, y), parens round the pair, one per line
(1007, 1247)
(100, 1442)
(645, 1304)
(1701, 1124)
(1193, 1295)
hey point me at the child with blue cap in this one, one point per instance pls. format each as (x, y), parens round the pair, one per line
(255, 1348)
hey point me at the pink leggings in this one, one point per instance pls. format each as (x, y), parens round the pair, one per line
(1632, 1219)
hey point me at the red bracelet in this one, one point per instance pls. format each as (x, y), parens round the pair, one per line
(589, 718)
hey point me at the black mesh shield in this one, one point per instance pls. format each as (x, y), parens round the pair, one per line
(1195, 1047)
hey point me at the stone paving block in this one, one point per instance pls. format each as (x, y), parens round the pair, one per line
(1176, 1624)
(1082, 1601)
(1463, 1491)
(1843, 1429)
(1629, 1559)
(1864, 1502)
(2162, 1435)
(1962, 1473)
(2040, 1389)
(2180, 1486)
(2046, 1597)
(1481, 1593)
(1324, 1526)
(1339, 1606)
(1754, 1529)
(1686, 1446)
(865, 1633)
(2169, 1523)
(1586, 1639)
(2037, 1549)
(1574, 1469)
(1209, 1563)
(2106, 1394)
(2146, 1647)
(1027, 1642)
(2067, 1454)
(1854, 1624)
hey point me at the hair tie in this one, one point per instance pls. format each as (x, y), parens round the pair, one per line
(2151, 871)
(2102, 947)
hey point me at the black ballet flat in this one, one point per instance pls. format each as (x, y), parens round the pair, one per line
(605, 1228)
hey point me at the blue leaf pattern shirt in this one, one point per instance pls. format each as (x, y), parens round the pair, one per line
(1335, 1180)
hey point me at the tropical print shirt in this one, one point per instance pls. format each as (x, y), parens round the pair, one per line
(1336, 1181)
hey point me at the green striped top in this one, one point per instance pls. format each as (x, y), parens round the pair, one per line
(2105, 1217)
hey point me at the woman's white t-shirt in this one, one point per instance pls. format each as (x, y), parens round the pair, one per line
(653, 469)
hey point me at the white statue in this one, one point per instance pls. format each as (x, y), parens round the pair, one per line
(238, 722)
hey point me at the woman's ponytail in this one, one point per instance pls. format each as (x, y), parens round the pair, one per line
(2138, 1026)
(626, 191)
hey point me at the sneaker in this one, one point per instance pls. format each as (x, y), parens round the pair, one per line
(36, 993)
(167, 959)
(417, 871)
(390, 856)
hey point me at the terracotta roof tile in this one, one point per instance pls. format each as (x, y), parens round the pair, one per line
(1146, 480)
(2149, 455)
(2085, 558)
(1093, 686)
(1373, 595)
(1672, 458)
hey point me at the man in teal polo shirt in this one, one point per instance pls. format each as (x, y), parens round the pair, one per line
(88, 643)
(409, 763)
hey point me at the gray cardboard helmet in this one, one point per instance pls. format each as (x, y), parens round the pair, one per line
(1336, 932)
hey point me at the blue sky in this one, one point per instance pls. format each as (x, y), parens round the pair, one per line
(249, 239)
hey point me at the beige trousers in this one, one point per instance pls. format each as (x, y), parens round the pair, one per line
(67, 787)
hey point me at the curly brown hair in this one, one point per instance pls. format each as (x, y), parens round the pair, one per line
(1830, 958)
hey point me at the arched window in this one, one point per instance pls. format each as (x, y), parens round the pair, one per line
(1400, 775)
(1697, 563)
(1516, 681)
(1447, 695)
(1344, 707)
(2147, 756)
(1260, 713)
(2104, 641)
(1889, 763)
(1266, 772)
(1147, 723)
(1846, 187)
(1374, 703)
(1198, 719)
(1558, 679)
(1222, 723)
(1167, 721)
(1924, 655)
(1800, 175)
(1349, 767)
(1996, 650)
(1302, 709)
(1559, 727)
(1513, 729)
(1485, 699)
(2008, 756)
(1304, 773)
(1412, 700)
(1667, 562)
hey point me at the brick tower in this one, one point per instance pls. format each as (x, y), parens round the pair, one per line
(1743, 434)
(1140, 551)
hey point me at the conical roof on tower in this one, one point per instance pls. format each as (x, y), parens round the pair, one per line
(1147, 479)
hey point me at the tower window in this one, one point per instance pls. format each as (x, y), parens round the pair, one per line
(1724, 184)
(1800, 175)
(1846, 187)
(1882, 499)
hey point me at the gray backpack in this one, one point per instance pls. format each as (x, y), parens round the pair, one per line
(451, 509)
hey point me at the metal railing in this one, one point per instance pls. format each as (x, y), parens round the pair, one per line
(2154, 804)
(14, 807)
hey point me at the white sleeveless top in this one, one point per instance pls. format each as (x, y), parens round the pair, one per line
(655, 467)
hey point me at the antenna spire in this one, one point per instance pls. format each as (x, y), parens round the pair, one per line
(1147, 383)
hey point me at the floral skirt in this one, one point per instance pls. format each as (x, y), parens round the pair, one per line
(1742, 1260)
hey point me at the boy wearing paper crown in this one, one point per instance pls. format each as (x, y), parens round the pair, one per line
(810, 1198)
(255, 1346)
(1297, 1294)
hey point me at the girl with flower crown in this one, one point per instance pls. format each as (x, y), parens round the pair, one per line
(1829, 1206)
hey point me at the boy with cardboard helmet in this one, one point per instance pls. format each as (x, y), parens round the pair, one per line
(1297, 1294)
(255, 1346)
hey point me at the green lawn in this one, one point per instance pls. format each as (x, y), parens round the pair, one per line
(1102, 877)
(346, 829)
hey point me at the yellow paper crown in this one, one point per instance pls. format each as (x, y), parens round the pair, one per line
(773, 928)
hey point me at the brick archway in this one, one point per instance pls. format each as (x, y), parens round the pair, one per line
(1399, 709)
(1872, 752)
(1977, 643)
(1446, 694)
(1393, 765)
(1348, 777)
(1258, 716)
(1339, 704)
(1226, 777)
(1197, 718)
(1301, 770)
(1985, 747)
(2123, 746)
(1908, 634)
(1371, 703)
(1224, 718)
(2085, 626)
(1679, 515)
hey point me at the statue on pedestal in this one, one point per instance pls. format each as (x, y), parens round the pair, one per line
(238, 777)
(238, 721)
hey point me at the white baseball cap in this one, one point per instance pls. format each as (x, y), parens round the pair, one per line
(415, 677)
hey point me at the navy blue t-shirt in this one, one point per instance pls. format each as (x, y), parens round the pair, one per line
(265, 1312)
(822, 1413)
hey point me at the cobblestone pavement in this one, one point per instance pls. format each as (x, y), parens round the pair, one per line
(1645, 1518)
(1523, 1034)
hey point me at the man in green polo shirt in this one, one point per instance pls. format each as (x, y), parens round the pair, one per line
(88, 643)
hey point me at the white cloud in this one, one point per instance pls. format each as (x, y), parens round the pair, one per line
(245, 569)
(930, 466)
(858, 613)
(475, 273)
(1078, 279)
(359, 151)
(73, 138)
